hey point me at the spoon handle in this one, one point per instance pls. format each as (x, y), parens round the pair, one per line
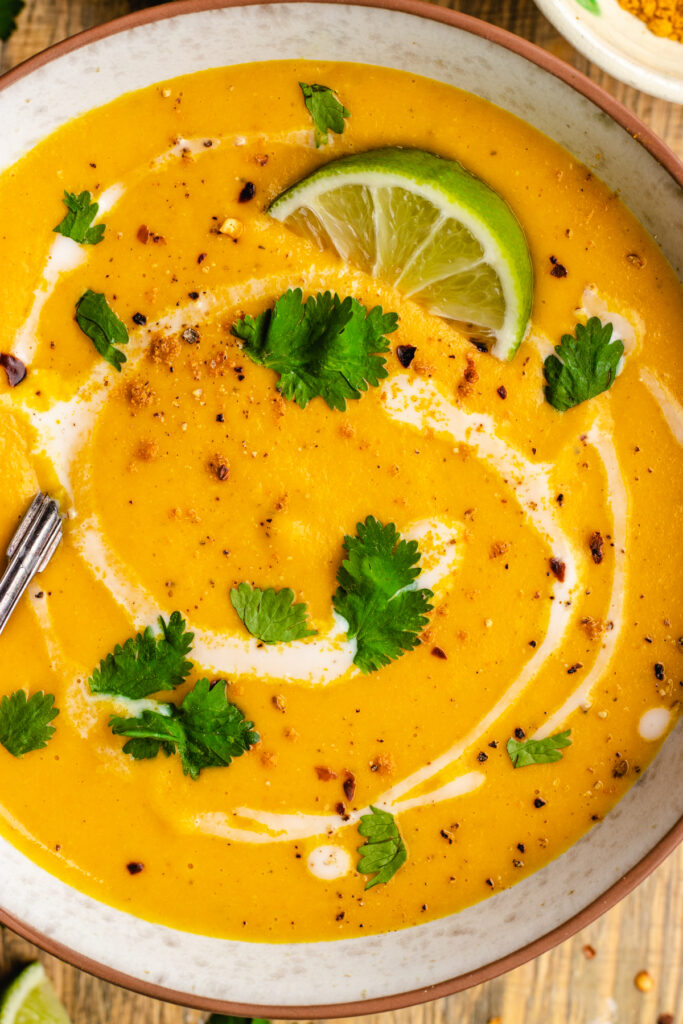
(29, 551)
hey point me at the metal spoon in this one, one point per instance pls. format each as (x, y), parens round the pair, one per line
(30, 549)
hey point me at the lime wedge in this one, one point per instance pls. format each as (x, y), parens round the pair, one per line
(429, 228)
(31, 1000)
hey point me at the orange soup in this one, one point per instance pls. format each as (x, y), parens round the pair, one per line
(490, 709)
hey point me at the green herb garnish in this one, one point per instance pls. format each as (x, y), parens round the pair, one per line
(9, 9)
(524, 752)
(96, 319)
(146, 664)
(385, 851)
(24, 722)
(77, 222)
(269, 614)
(588, 367)
(322, 347)
(206, 730)
(376, 596)
(327, 112)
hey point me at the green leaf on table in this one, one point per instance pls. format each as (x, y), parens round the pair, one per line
(9, 9)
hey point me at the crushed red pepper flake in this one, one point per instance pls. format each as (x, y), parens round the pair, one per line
(340, 808)
(135, 867)
(438, 652)
(659, 671)
(502, 391)
(14, 368)
(247, 193)
(596, 545)
(557, 269)
(405, 354)
(498, 548)
(558, 569)
(325, 774)
(349, 785)
(220, 467)
(588, 952)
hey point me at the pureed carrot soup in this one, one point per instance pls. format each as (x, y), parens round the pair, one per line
(333, 576)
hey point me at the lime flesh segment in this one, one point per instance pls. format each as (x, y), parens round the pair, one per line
(429, 228)
(30, 999)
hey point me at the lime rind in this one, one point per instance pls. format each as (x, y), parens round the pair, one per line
(30, 1000)
(425, 225)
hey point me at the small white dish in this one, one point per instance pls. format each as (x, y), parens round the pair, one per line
(621, 44)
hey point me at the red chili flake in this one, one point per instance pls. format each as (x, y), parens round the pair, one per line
(557, 269)
(588, 952)
(349, 785)
(558, 569)
(489, 882)
(405, 354)
(521, 847)
(519, 734)
(135, 867)
(140, 319)
(325, 774)
(574, 668)
(143, 234)
(220, 418)
(193, 295)
(538, 802)
(494, 744)
(596, 545)
(340, 917)
(247, 193)
(502, 391)
(481, 756)
(439, 653)
(14, 368)
(201, 257)
(340, 808)
(659, 671)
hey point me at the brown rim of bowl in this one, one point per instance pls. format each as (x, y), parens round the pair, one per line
(641, 133)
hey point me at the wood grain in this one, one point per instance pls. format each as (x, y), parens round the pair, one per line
(645, 931)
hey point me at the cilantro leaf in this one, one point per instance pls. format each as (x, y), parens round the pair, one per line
(24, 723)
(524, 752)
(146, 664)
(588, 366)
(377, 597)
(323, 347)
(385, 852)
(206, 730)
(327, 112)
(270, 614)
(77, 222)
(96, 319)
(9, 9)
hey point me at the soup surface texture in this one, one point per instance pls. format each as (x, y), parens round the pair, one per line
(550, 540)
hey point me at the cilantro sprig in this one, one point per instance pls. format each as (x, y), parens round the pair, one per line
(525, 752)
(95, 318)
(376, 594)
(323, 347)
(9, 9)
(25, 721)
(270, 614)
(385, 852)
(78, 220)
(586, 366)
(206, 730)
(327, 112)
(146, 664)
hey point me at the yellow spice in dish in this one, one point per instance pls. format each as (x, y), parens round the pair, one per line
(188, 474)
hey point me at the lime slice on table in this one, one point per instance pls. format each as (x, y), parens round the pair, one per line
(31, 1000)
(428, 227)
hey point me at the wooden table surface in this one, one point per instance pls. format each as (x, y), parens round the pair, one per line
(567, 985)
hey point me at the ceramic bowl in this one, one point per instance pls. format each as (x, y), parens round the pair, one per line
(621, 44)
(385, 971)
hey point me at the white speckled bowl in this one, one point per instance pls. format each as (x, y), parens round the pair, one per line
(621, 44)
(430, 960)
